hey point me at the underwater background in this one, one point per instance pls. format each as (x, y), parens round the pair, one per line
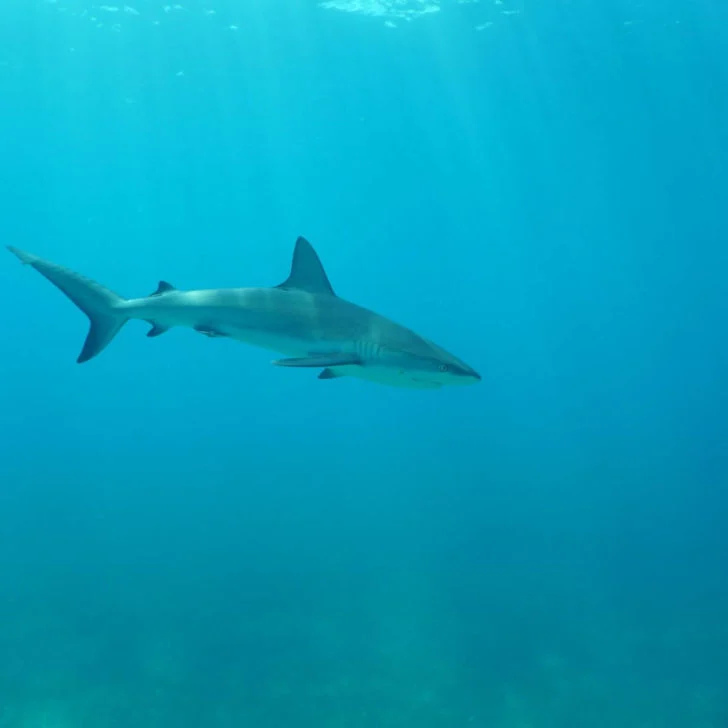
(190, 537)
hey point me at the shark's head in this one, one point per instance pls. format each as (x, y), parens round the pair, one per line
(430, 366)
(367, 345)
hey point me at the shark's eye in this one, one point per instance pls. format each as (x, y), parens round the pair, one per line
(443, 367)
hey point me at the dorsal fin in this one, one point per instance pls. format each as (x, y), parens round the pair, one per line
(163, 287)
(307, 273)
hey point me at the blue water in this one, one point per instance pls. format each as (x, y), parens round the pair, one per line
(190, 537)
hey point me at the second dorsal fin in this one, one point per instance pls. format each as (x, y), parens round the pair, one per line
(163, 287)
(307, 273)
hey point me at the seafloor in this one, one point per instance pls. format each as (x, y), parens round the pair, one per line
(136, 651)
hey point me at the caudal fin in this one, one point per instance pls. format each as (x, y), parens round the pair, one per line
(102, 306)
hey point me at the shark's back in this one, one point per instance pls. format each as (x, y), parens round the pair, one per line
(318, 318)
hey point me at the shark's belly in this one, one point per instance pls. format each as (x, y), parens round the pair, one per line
(390, 376)
(292, 328)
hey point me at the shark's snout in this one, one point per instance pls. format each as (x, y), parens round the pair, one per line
(469, 375)
(459, 374)
(463, 371)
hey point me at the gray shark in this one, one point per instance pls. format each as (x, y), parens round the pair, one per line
(302, 319)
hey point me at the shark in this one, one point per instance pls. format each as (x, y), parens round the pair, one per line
(302, 319)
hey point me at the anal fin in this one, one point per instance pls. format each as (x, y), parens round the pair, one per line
(156, 329)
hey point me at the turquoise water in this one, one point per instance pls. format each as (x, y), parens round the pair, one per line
(190, 537)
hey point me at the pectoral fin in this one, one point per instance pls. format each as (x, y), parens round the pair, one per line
(321, 360)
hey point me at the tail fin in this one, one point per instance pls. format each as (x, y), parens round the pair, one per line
(101, 305)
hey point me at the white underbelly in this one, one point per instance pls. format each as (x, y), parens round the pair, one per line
(369, 371)
(390, 376)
